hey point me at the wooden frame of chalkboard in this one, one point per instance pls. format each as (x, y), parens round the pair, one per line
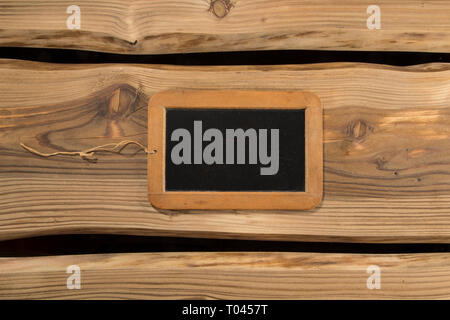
(235, 99)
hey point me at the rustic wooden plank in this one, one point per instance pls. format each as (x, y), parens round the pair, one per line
(168, 26)
(386, 152)
(223, 275)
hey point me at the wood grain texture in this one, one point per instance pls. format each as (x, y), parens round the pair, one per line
(386, 152)
(244, 275)
(169, 26)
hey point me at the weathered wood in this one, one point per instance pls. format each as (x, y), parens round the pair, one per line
(386, 152)
(167, 26)
(222, 275)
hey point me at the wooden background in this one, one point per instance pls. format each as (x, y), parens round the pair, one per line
(386, 148)
(243, 275)
(386, 152)
(168, 26)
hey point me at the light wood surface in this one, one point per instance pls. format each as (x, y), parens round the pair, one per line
(224, 275)
(386, 152)
(168, 26)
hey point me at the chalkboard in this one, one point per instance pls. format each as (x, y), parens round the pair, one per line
(235, 149)
(286, 158)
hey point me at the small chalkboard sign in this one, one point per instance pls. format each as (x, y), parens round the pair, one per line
(235, 150)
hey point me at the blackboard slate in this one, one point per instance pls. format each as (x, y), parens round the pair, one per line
(239, 177)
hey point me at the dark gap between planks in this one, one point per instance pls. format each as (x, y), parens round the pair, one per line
(275, 57)
(94, 244)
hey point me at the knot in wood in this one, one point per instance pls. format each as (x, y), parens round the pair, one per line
(220, 8)
(121, 101)
(358, 129)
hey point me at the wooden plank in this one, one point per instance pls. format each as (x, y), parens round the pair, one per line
(386, 152)
(223, 275)
(168, 26)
